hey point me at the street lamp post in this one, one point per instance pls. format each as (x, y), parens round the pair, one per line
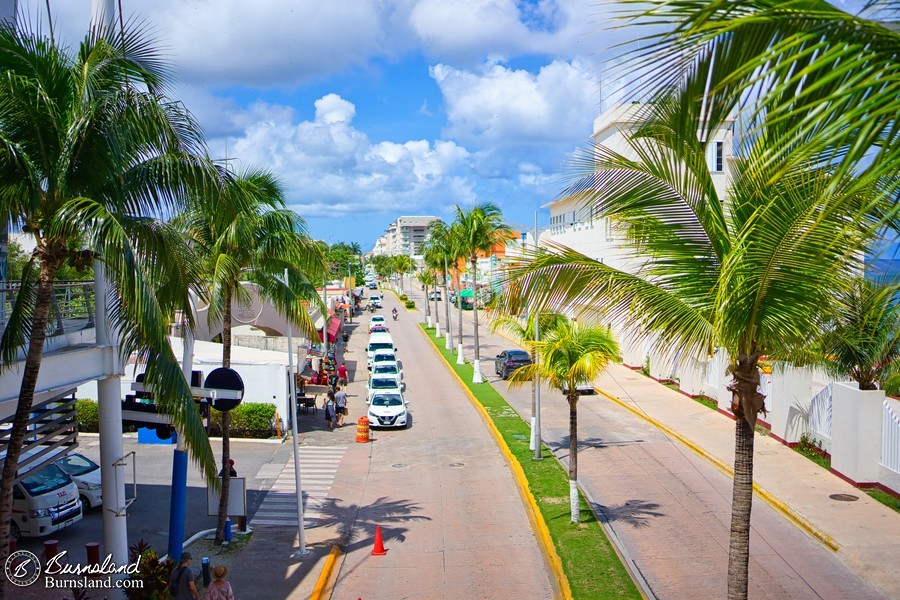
(295, 435)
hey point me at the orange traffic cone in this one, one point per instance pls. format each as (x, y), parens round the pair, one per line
(379, 544)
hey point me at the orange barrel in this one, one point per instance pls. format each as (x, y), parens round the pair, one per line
(362, 430)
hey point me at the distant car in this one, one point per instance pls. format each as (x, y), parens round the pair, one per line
(86, 475)
(375, 321)
(509, 360)
(385, 357)
(372, 285)
(379, 329)
(584, 388)
(388, 410)
(375, 301)
(381, 385)
(435, 296)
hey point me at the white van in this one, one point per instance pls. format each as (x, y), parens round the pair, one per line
(378, 341)
(45, 500)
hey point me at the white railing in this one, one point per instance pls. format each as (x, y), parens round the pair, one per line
(890, 439)
(820, 412)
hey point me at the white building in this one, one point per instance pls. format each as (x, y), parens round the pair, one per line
(404, 236)
(572, 224)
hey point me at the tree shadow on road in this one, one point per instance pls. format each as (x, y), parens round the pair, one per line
(633, 512)
(562, 444)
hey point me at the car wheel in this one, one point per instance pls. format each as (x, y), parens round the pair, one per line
(85, 503)
(504, 375)
(14, 532)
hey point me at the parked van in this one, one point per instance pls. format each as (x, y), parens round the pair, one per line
(45, 500)
(378, 341)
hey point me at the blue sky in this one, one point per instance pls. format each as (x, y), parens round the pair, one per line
(369, 109)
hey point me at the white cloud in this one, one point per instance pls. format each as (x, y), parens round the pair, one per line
(331, 168)
(500, 104)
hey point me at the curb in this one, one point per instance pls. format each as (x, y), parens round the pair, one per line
(325, 582)
(769, 498)
(534, 514)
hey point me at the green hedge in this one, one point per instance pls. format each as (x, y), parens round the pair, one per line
(88, 413)
(410, 304)
(404, 297)
(251, 420)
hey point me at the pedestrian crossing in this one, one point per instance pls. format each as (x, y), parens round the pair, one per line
(318, 466)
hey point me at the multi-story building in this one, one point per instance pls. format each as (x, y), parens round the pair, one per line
(404, 236)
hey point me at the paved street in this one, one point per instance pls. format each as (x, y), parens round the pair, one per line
(451, 517)
(669, 508)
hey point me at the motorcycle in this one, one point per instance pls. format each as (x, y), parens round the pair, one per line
(394, 315)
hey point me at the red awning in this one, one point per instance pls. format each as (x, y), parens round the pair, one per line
(333, 326)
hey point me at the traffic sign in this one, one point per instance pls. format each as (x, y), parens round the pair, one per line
(224, 379)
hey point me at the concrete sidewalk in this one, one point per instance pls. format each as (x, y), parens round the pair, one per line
(688, 504)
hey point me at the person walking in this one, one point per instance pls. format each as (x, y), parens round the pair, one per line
(340, 403)
(342, 375)
(330, 414)
(181, 581)
(219, 589)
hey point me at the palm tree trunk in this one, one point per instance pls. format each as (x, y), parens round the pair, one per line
(475, 307)
(437, 315)
(741, 504)
(459, 305)
(573, 457)
(226, 425)
(26, 397)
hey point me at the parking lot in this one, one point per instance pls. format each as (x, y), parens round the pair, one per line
(148, 517)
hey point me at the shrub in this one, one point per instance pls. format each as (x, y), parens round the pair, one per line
(88, 413)
(251, 420)
(404, 297)
(154, 573)
(410, 304)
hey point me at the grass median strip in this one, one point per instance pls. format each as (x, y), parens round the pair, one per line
(591, 564)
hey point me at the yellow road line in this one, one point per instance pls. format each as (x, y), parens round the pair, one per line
(534, 513)
(769, 498)
(325, 583)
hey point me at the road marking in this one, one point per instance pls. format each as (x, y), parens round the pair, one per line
(318, 466)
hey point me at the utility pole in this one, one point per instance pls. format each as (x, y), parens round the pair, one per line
(536, 427)
(294, 434)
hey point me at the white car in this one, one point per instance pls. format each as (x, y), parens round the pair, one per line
(86, 475)
(381, 385)
(388, 410)
(385, 357)
(375, 301)
(379, 342)
(386, 369)
(376, 321)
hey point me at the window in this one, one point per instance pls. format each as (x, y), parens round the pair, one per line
(718, 159)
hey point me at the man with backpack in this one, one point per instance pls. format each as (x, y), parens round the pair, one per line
(181, 581)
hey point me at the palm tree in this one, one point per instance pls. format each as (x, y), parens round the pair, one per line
(798, 58)
(525, 333)
(425, 277)
(440, 253)
(403, 264)
(248, 234)
(756, 272)
(569, 354)
(863, 339)
(478, 230)
(91, 156)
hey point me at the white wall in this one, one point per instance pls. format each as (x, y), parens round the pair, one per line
(791, 391)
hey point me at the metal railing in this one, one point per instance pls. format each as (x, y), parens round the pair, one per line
(71, 308)
(820, 412)
(890, 438)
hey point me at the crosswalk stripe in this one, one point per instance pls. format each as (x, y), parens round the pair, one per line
(318, 466)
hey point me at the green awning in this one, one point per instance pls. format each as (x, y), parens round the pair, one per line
(466, 293)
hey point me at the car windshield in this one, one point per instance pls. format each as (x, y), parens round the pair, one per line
(384, 358)
(377, 320)
(380, 346)
(47, 479)
(518, 355)
(76, 465)
(387, 400)
(386, 369)
(383, 384)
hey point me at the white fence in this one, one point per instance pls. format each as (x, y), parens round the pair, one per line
(890, 438)
(820, 412)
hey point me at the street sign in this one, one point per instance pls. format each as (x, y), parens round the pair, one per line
(224, 379)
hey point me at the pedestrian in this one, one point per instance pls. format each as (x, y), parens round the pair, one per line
(333, 379)
(181, 581)
(232, 472)
(340, 403)
(330, 414)
(342, 375)
(219, 589)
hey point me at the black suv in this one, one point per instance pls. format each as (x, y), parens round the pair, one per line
(510, 360)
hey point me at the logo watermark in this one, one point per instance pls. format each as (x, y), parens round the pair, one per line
(23, 568)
